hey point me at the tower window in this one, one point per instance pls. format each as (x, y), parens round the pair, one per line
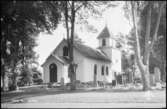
(65, 51)
(103, 42)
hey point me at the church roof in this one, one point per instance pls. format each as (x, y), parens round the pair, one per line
(61, 59)
(104, 33)
(84, 50)
(90, 52)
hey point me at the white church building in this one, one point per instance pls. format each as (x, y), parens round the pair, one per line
(101, 64)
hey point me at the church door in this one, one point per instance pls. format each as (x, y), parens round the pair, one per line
(53, 72)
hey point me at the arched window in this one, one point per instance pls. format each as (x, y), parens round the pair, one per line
(103, 42)
(106, 70)
(65, 51)
(102, 70)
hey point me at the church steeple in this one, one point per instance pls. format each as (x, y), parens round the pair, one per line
(105, 41)
(104, 34)
(104, 38)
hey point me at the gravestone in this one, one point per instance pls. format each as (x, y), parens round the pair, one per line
(157, 74)
(152, 79)
(62, 82)
(130, 77)
(6, 88)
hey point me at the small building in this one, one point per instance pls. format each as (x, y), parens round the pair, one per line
(101, 64)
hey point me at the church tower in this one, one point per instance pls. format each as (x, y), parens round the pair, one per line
(107, 44)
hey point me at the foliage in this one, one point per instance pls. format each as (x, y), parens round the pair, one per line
(158, 53)
(150, 34)
(21, 21)
(37, 76)
(25, 76)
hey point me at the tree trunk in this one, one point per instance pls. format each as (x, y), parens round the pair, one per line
(143, 68)
(71, 70)
(67, 27)
(147, 50)
(14, 81)
(3, 77)
(144, 63)
(73, 73)
(164, 71)
(14, 77)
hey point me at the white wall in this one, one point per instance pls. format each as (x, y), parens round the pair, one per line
(51, 60)
(65, 74)
(78, 60)
(116, 60)
(89, 70)
(85, 69)
(59, 49)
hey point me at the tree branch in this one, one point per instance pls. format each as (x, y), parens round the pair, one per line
(68, 3)
(157, 25)
(80, 6)
(136, 32)
(148, 25)
(66, 20)
(147, 35)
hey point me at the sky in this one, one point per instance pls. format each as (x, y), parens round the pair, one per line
(113, 18)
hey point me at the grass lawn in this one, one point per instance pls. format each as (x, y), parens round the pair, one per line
(80, 97)
(56, 95)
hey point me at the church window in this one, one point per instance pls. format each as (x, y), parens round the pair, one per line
(106, 70)
(103, 42)
(95, 69)
(65, 51)
(102, 70)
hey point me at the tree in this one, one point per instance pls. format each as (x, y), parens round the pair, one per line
(158, 53)
(37, 76)
(71, 10)
(143, 62)
(20, 21)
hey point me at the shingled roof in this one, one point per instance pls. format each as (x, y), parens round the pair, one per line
(90, 52)
(104, 33)
(84, 50)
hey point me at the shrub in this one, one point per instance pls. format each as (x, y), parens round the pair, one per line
(49, 85)
(38, 81)
(12, 87)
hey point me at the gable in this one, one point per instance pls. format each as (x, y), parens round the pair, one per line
(51, 58)
(59, 49)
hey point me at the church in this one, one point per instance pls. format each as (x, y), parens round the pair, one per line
(101, 64)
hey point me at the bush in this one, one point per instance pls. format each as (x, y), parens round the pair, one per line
(50, 85)
(12, 87)
(20, 84)
(38, 81)
(137, 80)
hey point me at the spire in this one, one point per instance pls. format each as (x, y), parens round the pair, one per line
(104, 33)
